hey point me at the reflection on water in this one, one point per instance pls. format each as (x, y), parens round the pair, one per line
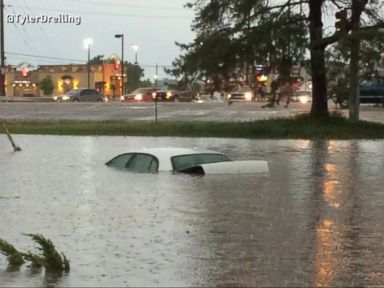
(316, 220)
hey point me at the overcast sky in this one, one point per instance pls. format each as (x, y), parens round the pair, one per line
(154, 25)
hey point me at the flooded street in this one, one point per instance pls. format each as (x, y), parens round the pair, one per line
(316, 220)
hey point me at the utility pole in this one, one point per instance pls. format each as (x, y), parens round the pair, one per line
(2, 61)
(157, 75)
(122, 62)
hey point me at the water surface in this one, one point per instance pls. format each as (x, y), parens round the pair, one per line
(316, 220)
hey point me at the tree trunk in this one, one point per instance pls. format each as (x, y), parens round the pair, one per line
(319, 106)
(354, 84)
(357, 9)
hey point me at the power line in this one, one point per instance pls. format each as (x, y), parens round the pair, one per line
(171, 17)
(125, 5)
(45, 57)
(75, 60)
(46, 42)
(26, 37)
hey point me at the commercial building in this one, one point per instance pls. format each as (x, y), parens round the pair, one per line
(105, 78)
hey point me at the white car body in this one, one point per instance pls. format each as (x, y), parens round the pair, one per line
(304, 94)
(164, 156)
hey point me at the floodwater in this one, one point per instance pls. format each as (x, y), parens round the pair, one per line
(316, 220)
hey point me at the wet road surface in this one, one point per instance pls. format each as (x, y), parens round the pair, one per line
(209, 111)
(315, 220)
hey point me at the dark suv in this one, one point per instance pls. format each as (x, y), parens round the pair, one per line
(371, 92)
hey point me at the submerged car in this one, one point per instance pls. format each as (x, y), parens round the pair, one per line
(139, 95)
(185, 160)
(243, 94)
(81, 95)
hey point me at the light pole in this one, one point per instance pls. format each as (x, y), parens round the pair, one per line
(135, 48)
(2, 57)
(87, 45)
(122, 61)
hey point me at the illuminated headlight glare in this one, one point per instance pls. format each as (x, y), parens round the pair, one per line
(55, 98)
(303, 99)
(153, 95)
(122, 98)
(139, 97)
(229, 96)
(169, 95)
(248, 96)
(65, 98)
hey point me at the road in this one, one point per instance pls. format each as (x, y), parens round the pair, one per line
(208, 111)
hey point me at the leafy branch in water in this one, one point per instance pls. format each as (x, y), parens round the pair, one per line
(14, 257)
(52, 260)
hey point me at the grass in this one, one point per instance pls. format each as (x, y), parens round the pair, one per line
(299, 127)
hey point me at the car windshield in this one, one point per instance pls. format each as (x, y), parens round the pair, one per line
(71, 93)
(244, 89)
(182, 162)
(141, 90)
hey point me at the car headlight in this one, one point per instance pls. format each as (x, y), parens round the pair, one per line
(229, 96)
(65, 98)
(248, 96)
(169, 95)
(139, 97)
(303, 99)
(122, 98)
(154, 95)
(55, 98)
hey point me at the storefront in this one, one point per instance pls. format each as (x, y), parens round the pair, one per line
(104, 78)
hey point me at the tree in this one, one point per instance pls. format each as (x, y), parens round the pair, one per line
(233, 36)
(246, 23)
(46, 85)
(134, 75)
(97, 60)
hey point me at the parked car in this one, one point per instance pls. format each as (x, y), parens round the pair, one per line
(171, 95)
(184, 160)
(81, 95)
(304, 93)
(140, 95)
(243, 94)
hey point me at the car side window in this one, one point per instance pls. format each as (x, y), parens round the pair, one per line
(182, 162)
(120, 161)
(143, 163)
(84, 92)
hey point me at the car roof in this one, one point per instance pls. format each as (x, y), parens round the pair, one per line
(164, 154)
(81, 89)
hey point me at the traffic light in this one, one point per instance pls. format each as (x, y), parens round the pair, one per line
(117, 64)
(25, 72)
(342, 23)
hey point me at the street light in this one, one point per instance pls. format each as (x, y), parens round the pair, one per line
(87, 45)
(122, 61)
(135, 48)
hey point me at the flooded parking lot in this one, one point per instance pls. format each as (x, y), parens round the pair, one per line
(315, 220)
